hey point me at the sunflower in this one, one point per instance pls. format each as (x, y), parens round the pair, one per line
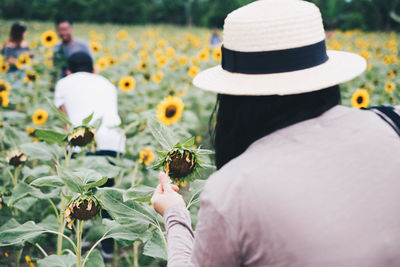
(4, 86)
(40, 117)
(170, 52)
(193, 71)
(81, 136)
(23, 60)
(146, 156)
(183, 60)
(161, 43)
(33, 45)
(180, 164)
(102, 63)
(132, 45)
(142, 66)
(49, 38)
(96, 47)
(16, 158)
(4, 100)
(360, 99)
(82, 207)
(161, 62)
(122, 34)
(217, 54)
(31, 76)
(30, 131)
(390, 87)
(157, 78)
(4, 67)
(158, 54)
(392, 74)
(127, 83)
(204, 55)
(170, 110)
(143, 55)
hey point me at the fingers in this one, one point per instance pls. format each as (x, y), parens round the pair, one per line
(165, 182)
(175, 187)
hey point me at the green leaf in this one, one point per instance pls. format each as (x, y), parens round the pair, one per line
(100, 164)
(48, 181)
(50, 137)
(162, 134)
(95, 184)
(58, 113)
(124, 232)
(36, 172)
(86, 120)
(25, 204)
(23, 190)
(190, 142)
(73, 182)
(155, 247)
(128, 212)
(95, 259)
(138, 193)
(58, 261)
(40, 151)
(20, 234)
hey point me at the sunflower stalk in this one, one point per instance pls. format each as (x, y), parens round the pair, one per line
(78, 252)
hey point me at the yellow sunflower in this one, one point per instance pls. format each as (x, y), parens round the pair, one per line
(4, 67)
(122, 34)
(157, 78)
(204, 55)
(49, 38)
(183, 60)
(132, 45)
(142, 66)
(23, 60)
(390, 87)
(31, 76)
(158, 53)
(161, 62)
(360, 99)
(4, 100)
(30, 131)
(170, 52)
(40, 117)
(170, 110)
(161, 43)
(217, 54)
(193, 71)
(4, 86)
(96, 47)
(143, 55)
(127, 83)
(102, 63)
(146, 156)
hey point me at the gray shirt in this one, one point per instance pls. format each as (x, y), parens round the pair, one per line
(76, 46)
(323, 192)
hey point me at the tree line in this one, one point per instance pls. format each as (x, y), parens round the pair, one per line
(343, 14)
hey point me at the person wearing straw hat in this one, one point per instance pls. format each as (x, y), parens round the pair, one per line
(301, 181)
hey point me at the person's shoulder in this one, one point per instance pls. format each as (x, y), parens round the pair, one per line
(80, 42)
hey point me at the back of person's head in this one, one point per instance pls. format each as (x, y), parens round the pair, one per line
(17, 32)
(242, 120)
(60, 20)
(80, 62)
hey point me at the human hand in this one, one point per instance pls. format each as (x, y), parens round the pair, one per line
(166, 195)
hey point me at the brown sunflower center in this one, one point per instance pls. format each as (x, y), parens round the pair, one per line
(39, 117)
(2, 87)
(32, 77)
(180, 165)
(49, 38)
(147, 76)
(360, 100)
(170, 111)
(82, 210)
(127, 84)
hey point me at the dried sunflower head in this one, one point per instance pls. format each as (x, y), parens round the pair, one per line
(16, 158)
(81, 136)
(182, 161)
(83, 207)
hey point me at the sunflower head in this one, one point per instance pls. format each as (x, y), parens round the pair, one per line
(170, 110)
(217, 54)
(49, 38)
(193, 71)
(16, 158)
(122, 34)
(4, 86)
(146, 156)
(31, 76)
(180, 164)
(4, 67)
(40, 117)
(158, 77)
(81, 136)
(95, 46)
(204, 55)
(390, 87)
(4, 100)
(30, 131)
(83, 207)
(360, 99)
(127, 83)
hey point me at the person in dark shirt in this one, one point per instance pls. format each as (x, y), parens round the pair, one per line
(16, 45)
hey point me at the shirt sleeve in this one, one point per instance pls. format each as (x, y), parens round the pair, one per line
(210, 246)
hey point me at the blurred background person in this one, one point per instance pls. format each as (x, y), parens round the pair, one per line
(215, 40)
(16, 45)
(68, 45)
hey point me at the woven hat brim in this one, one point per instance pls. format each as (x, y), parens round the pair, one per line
(340, 68)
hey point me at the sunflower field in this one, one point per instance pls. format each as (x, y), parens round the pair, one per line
(51, 201)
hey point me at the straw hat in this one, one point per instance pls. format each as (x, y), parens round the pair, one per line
(277, 47)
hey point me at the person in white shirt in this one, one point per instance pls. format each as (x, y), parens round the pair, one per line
(83, 92)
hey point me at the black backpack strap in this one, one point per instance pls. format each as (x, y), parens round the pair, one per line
(389, 115)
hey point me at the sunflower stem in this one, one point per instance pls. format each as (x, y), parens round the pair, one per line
(136, 246)
(115, 258)
(18, 257)
(79, 242)
(61, 225)
(134, 173)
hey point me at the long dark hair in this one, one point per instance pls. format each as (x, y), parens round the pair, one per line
(241, 120)
(17, 33)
